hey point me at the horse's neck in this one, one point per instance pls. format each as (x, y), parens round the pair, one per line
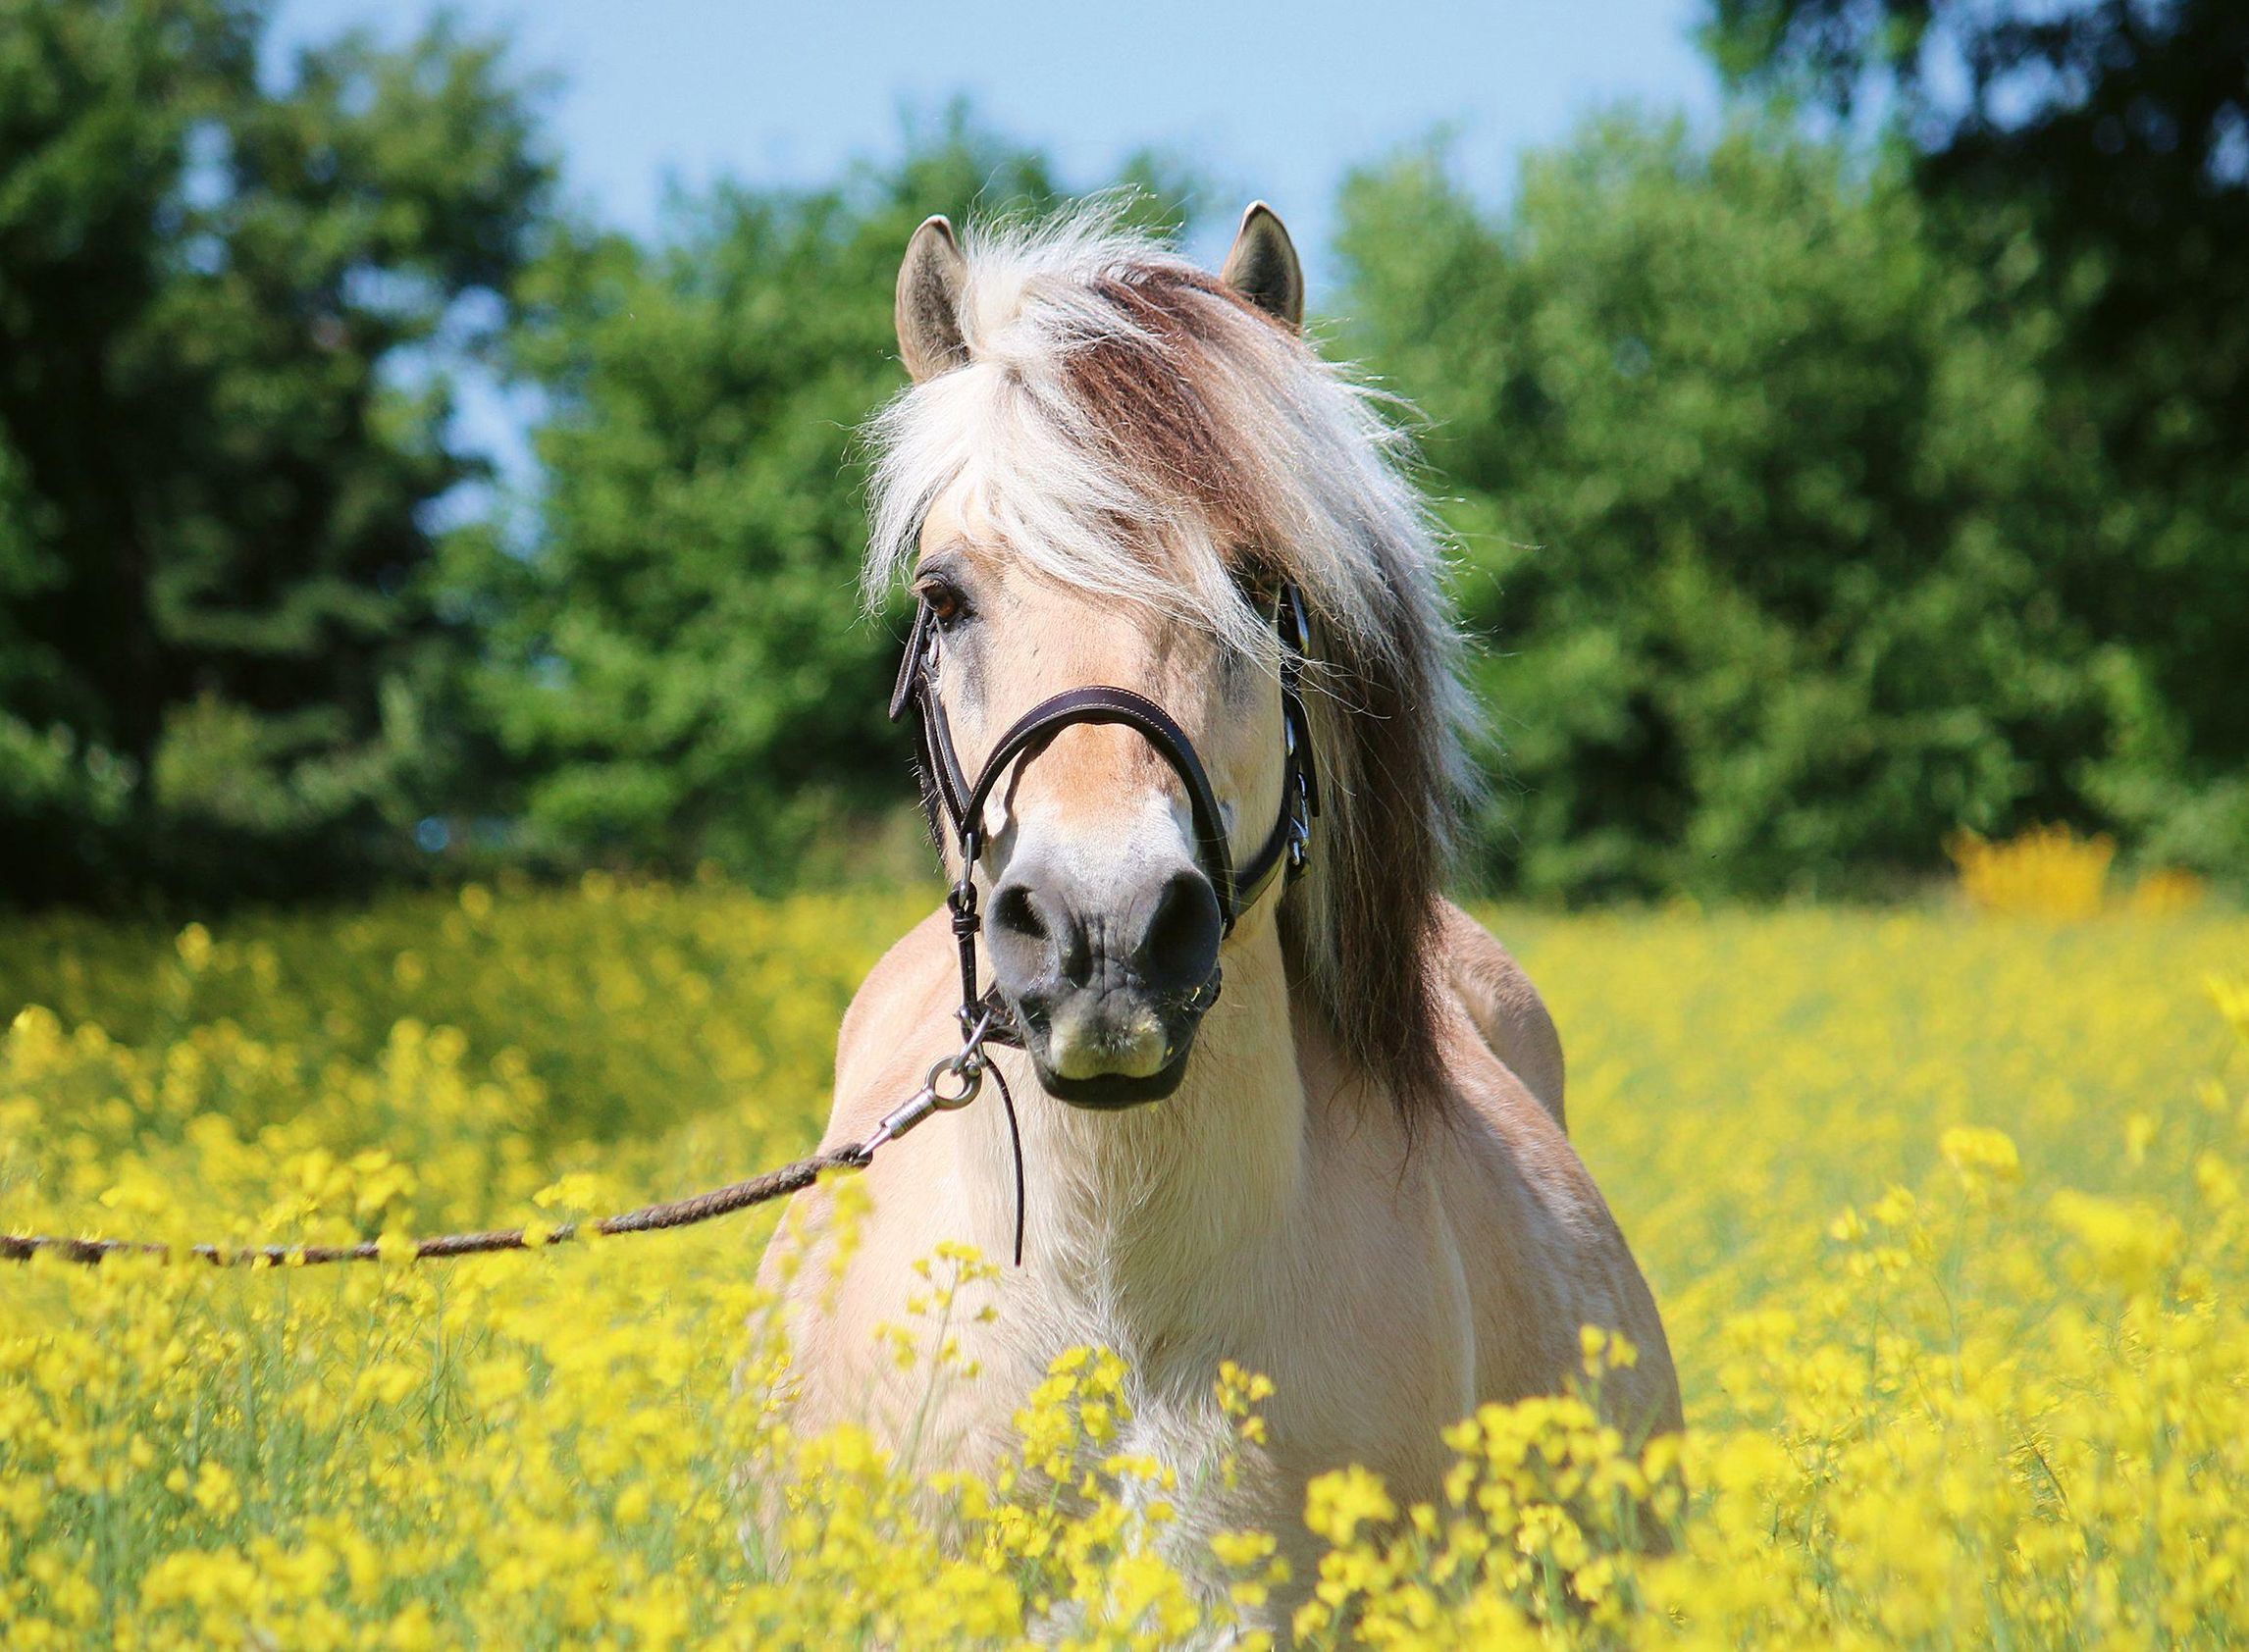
(1143, 1223)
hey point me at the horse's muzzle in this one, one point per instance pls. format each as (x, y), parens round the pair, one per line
(1106, 984)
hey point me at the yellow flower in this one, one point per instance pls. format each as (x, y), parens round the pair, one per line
(1983, 1160)
(194, 948)
(1973, 1420)
(1336, 1503)
(216, 1492)
(2129, 1246)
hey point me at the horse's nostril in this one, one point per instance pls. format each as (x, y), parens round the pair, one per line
(1180, 947)
(1015, 911)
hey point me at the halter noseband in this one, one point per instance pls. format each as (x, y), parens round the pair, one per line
(946, 785)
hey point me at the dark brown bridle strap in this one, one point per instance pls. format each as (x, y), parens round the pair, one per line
(945, 783)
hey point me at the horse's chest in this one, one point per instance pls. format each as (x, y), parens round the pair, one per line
(1148, 1399)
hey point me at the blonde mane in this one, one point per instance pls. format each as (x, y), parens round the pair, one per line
(1132, 426)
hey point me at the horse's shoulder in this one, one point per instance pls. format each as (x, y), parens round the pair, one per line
(899, 1016)
(1500, 1127)
(1514, 1188)
(1506, 1165)
(1502, 1005)
(902, 1010)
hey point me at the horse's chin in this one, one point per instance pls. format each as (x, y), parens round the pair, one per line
(1092, 1050)
(1112, 1092)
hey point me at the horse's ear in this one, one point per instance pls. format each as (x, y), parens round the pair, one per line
(929, 286)
(1263, 267)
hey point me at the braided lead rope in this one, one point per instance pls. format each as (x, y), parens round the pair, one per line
(648, 1218)
(966, 1071)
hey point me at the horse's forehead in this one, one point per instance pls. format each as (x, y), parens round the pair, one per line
(947, 520)
(958, 527)
(1053, 630)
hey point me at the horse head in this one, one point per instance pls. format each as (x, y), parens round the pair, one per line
(1137, 512)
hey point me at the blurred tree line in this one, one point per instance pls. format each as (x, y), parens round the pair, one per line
(1868, 468)
(225, 307)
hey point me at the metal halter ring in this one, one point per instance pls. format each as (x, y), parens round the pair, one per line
(967, 1068)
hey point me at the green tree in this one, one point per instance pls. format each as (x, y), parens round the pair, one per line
(1760, 488)
(679, 664)
(2118, 130)
(225, 315)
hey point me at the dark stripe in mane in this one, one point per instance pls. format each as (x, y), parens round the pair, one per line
(1140, 387)
(1183, 393)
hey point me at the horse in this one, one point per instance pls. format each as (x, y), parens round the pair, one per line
(1309, 1122)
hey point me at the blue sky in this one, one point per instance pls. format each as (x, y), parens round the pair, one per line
(1263, 100)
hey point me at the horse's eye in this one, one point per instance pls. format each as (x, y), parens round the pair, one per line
(1257, 587)
(948, 604)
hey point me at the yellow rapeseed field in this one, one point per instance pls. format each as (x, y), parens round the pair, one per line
(1945, 1210)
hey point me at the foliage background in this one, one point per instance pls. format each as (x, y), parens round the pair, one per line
(1863, 470)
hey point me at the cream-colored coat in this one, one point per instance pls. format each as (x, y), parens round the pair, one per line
(1269, 1213)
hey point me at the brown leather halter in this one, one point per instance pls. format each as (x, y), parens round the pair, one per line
(946, 787)
(951, 799)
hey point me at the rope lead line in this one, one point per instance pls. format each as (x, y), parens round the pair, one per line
(649, 1218)
(966, 1071)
